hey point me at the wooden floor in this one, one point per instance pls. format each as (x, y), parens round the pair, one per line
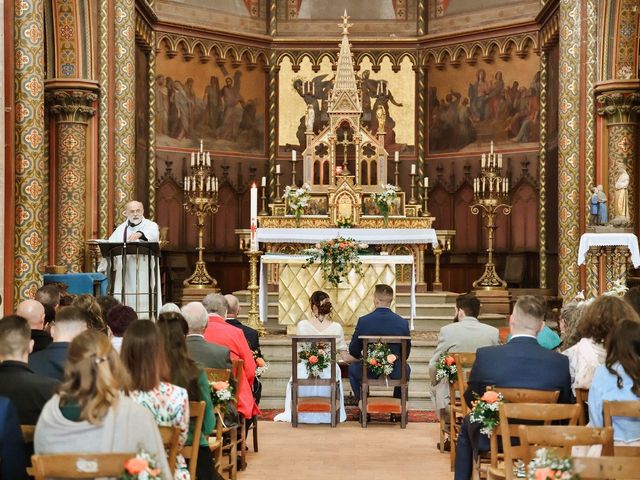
(349, 452)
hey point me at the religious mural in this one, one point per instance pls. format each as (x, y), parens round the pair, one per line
(305, 90)
(222, 104)
(471, 106)
(357, 9)
(236, 7)
(452, 7)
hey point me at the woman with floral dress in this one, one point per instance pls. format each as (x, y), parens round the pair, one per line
(143, 354)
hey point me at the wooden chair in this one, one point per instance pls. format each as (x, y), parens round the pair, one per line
(563, 438)
(80, 465)
(607, 467)
(171, 440)
(484, 461)
(630, 409)
(240, 438)
(330, 404)
(190, 452)
(457, 406)
(217, 443)
(508, 431)
(28, 432)
(582, 396)
(391, 405)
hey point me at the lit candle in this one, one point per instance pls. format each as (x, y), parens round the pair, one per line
(264, 181)
(396, 157)
(186, 184)
(254, 215)
(277, 169)
(293, 155)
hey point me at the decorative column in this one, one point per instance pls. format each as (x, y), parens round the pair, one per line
(273, 120)
(103, 120)
(31, 167)
(542, 169)
(72, 109)
(421, 83)
(151, 149)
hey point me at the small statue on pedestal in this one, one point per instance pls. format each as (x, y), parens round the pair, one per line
(594, 210)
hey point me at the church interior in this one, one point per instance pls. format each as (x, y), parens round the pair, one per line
(497, 126)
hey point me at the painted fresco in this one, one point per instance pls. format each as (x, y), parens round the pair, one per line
(222, 104)
(356, 9)
(471, 106)
(394, 92)
(452, 7)
(236, 7)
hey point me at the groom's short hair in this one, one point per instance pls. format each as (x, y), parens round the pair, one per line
(384, 293)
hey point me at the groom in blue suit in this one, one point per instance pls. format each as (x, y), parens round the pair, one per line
(521, 363)
(382, 321)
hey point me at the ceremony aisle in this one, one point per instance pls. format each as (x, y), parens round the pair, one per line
(348, 452)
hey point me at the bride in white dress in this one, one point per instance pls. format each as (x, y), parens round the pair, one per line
(319, 324)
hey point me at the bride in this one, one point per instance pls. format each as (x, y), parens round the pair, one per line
(319, 324)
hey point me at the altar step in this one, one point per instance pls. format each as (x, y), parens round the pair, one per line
(277, 351)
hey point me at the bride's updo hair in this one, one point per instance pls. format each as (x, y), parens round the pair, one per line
(321, 301)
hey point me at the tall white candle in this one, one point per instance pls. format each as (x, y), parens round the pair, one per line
(483, 161)
(426, 181)
(499, 160)
(264, 181)
(201, 145)
(396, 157)
(254, 215)
(293, 155)
(192, 155)
(277, 168)
(413, 169)
(492, 146)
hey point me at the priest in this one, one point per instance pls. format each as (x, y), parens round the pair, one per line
(138, 284)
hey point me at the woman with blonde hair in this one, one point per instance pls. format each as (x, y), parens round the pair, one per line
(91, 412)
(90, 305)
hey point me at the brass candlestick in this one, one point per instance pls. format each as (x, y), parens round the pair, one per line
(263, 210)
(201, 199)
(293, 171)
(425, 209)
(396, 174)
(490, 196)
(278, 196)
(253, 316)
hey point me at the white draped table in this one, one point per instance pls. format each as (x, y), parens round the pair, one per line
(629, 240)
(351, 299)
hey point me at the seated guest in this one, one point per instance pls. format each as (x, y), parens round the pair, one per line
(89, 304)
(13, 460)
(220, 332)
(118, 320)
(632, 297)
(521, 363)
(50, 362)
(169, 307)
(619, 380)
(33, 312)
(106, 302)
(382, 321)
(185, 372)
(143, 355)
(467, 334)
(598, 319)
(91, 412)
(570, 316)
(27, 390)
(49, 297)
(207, 354)
(548, 339)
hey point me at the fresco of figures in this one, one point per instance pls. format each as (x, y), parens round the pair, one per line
(221, 105)
(495, 104)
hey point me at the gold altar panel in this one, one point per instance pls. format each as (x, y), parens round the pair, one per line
(350, 300)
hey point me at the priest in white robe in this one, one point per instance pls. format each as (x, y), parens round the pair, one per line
(137, 282)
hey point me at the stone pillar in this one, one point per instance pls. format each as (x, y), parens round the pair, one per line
(31, 167)
(72, 107)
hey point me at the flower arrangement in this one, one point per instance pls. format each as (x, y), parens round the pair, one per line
(221, 394)
(297, 199)
(344, 222)
(337, 258)
(380, 360)
(261, 364)
(141, 467)
(446, 368)
(618, 289)
(485, 411)
(548, 465)
(315, 358)
(385, 199)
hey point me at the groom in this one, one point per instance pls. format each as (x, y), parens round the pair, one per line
(382, 321)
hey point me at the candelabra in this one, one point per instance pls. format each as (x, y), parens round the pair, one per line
(201, 199)
(491, 194)
(253, 315)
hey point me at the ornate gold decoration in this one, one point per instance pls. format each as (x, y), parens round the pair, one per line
(206, 49)
(273, 121)
(589, 127)
(253, 316)
(613, 261)
(445, 244)
(421, 141)
(151, 147)
(344, 201)
(542, 170)
(103, 120)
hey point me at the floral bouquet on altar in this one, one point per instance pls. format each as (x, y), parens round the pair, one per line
(315, 358)
(548, 465)
(385, 199)
(337, 258)
(380, 360)
(446, 368)
(141, 467)
(261, 364)
(485, 411)
(297, 199)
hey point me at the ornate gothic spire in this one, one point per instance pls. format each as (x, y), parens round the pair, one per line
(345, 97)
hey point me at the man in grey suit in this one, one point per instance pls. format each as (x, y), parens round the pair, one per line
(466, 334)
(209, 355)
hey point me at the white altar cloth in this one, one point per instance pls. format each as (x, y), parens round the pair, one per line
(278, 258)
(367, 235)
(628, 240)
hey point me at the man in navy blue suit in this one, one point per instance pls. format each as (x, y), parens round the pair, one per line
(521, 363)
(13, 461)
(382, 321)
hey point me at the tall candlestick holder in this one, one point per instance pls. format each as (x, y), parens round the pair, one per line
(201, 200)
(491, 195)
(263, 210)
(396, 173)
(412, 199)
(425, 198)
(278, 174)
(253, 315)
(293, 169)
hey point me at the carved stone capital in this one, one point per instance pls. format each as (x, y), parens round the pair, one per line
(619, 106)
(71, 104)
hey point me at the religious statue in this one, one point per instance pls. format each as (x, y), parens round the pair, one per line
(382, 118)
(311, 117)
(594, 212)
(620, 207)
(602, 205)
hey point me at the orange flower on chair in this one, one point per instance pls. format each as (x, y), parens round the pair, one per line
(491, 396)
(136, 465)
